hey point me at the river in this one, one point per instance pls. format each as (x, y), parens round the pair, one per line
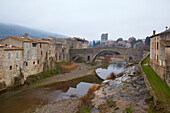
(23, 99)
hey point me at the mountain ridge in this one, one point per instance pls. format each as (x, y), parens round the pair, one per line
(7, 30)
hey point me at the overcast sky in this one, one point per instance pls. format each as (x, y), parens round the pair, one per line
(89, 18)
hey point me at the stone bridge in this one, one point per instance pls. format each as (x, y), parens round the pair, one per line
(90, 54)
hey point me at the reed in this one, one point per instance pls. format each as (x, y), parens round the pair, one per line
(68, 68)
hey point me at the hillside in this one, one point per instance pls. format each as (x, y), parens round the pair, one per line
(7, 30)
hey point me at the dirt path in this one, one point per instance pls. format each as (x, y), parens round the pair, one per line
(82, 70)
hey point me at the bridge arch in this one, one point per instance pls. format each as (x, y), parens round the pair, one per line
(77, 57)
(103, 51)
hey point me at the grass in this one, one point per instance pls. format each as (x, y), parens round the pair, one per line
(159, 87)
(92, 63)
(80, 60)
(62, 67)
(129, 110)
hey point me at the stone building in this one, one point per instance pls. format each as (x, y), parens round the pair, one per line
(139, 45)
(11, 63)
(160, 55)
(104, 37)
(63, 45)
(37, 54)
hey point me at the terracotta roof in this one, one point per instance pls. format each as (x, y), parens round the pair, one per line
(7, 48)
(159, 34)
(166, 43)
(2, 45)
(26, 39)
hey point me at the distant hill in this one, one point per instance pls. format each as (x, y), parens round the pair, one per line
(7, 30)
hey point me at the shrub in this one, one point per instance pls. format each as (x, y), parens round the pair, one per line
(68, 68)
(112, 76)
(86, 100)
(80, 60)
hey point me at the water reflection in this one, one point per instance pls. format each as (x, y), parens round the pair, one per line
(116, 68)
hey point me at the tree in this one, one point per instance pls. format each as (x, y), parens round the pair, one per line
(147, 41)
(119, 39)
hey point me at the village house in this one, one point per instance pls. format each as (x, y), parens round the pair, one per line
(11, 62)
(37, 54)
(160, 55)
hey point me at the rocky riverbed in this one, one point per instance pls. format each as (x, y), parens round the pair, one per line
(125, 93)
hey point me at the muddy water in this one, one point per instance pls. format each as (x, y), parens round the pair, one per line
(23, 99)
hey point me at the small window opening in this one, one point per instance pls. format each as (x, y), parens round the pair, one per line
(10, 67)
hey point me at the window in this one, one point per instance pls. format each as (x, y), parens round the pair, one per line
(26, 63)
(10, 67)
(38, 61)
(161, 52)
(41, 52)
(33, 62)
(49, 52)
(157, 58)
(152, 54)
(34, 44)
(9, 55)
(17, 55)
(40, 45)
(157, 45)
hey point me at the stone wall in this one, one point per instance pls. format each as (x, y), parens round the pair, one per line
(10, 67)
(148, 85)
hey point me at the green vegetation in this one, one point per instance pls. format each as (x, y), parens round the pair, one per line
(80, 60)
(92, 63)
(128, 110)
(86, 109)
(65, 63)
(159, 87)
(59, 68)
(43, 75)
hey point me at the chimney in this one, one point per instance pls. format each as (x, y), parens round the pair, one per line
(154, 32)
(166, 28)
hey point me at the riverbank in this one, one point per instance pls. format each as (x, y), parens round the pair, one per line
(82, 70)
(123, 94)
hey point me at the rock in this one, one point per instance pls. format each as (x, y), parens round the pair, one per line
(134, 79)
(116, 97)
(108, 97)
(95, 110)
(105, 82)
(140, 82)
(143, 91)
(145, 107)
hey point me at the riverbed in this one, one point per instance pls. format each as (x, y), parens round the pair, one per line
(23, 99)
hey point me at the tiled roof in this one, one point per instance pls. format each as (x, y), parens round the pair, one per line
(166, 43)
(160, 34)
(7, 48)
(26, 39)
